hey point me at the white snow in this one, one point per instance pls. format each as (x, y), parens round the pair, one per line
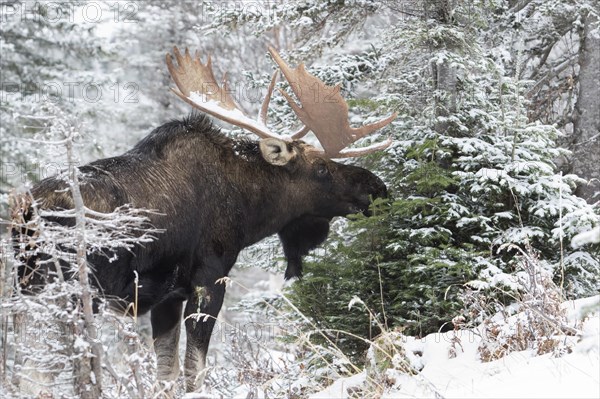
(215, 108)
(339, 389)
(587, 237)
(517, 375)
(451, 367)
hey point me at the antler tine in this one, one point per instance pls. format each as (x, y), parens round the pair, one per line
(265, 105)
(197, 85)
(325, 112)
(359, 152)
(301, 133)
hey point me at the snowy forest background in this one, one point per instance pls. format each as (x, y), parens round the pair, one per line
(493, 224)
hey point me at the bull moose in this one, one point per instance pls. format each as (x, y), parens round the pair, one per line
(217, 195)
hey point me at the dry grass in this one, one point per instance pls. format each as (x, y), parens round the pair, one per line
(536, 321)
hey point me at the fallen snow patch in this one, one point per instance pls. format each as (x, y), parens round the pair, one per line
(450, 366)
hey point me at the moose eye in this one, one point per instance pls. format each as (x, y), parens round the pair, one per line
(322, 170)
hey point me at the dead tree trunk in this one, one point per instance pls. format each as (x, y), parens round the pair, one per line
(586, 144)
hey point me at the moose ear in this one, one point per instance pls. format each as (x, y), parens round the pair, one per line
(275, 151)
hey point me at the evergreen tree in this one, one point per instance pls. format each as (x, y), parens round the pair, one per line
(473, 178)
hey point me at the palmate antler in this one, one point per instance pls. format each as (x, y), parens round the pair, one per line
(322, 109)
(198, 87)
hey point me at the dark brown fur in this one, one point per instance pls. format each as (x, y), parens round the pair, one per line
(216, 196)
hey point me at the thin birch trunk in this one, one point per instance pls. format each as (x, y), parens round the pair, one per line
(89, 373)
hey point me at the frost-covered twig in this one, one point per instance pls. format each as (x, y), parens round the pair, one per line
(65, 302)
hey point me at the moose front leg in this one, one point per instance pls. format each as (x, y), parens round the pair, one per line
(206, 300)
(166, 327)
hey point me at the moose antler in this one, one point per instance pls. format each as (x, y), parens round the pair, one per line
(198, 87)
(322, 109)
(325, 112)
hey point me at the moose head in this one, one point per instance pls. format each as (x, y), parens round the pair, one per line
(344, 189)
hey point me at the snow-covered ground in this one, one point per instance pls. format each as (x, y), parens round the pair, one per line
(517, 375)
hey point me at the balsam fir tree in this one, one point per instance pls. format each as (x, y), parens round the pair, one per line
(473, 180)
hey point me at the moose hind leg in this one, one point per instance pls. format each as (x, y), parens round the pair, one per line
(166, 327)
(206, 301)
